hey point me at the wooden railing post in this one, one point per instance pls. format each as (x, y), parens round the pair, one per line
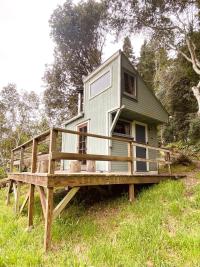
(11, 161)
(52, 148)
(21, 163)
(130, 154)
(34, 156)
(169, 164)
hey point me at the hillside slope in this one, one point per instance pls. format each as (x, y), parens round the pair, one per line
(161, 228)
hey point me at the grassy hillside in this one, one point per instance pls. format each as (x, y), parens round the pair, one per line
(161, 228)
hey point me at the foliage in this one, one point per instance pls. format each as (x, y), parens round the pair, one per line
(182, 159)
(161, 228)
(21, 118)
(194, 131)
(78, 32)
(2, 173)
(173, 24)
(128, 50)
(146, 65)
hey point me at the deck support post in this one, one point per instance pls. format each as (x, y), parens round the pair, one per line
(17, 187)
(48, 219)
(131, 192)
(31, 206)
(9, 192)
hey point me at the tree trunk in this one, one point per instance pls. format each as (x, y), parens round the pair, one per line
(196, 92)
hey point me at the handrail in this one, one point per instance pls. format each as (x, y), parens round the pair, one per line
(55, 155)
(46, 133)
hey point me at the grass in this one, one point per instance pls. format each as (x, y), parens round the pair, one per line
(161, 228)
(178, 168)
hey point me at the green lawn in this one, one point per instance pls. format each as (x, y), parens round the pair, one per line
(161, 228)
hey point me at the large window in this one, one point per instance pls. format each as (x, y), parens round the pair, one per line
(122, 128)
(129, 84)
(101, 84)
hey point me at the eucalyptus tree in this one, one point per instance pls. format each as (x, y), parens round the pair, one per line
(78, 32)
(128, 50)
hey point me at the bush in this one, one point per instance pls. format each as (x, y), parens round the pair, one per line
(2, 173)
(194, 131)
(182, 159)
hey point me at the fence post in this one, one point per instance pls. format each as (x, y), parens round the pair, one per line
(34, 156)
(52, 148)
(130, 154)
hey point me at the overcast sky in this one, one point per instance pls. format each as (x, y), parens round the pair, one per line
(25, 44)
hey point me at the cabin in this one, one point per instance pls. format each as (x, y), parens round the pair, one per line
(115, 131)
(115, 102)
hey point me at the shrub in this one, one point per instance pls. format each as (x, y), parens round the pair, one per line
(194, 131)
(2, 173)
(182, 159)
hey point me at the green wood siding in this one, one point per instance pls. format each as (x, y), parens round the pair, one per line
(120, 149)
(146, 103)
(96, 113)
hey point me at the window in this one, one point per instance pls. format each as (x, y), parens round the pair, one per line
(101, 84)
(122, 128)
(82, 142)
(129, 84)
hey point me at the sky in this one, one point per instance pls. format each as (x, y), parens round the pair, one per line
(26, 45)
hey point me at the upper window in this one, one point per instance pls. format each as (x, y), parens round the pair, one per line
(122, 128)
(101, 84)
(129, 84)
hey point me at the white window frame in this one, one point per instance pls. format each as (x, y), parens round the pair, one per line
(124, 135)
(96, 78)
(133, 96)
(77, 127)
(147, 140)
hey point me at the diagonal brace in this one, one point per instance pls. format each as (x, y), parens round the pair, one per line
(60, 207)
(24, 203)
(42, 198)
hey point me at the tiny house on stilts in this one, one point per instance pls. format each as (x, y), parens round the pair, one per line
(115, 130)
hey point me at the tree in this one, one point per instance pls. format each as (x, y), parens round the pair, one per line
(79, 36)
(146, 65)
(19, 119)
(128, 50)
(172, 23)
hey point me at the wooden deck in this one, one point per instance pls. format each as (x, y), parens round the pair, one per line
(27, 157)
(88, 179)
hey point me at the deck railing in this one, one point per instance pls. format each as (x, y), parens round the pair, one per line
(29, 152)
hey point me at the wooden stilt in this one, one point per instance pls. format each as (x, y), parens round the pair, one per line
(48, 219)
(16, 187)
(9, 192)
(31, 206)
(131, 192)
